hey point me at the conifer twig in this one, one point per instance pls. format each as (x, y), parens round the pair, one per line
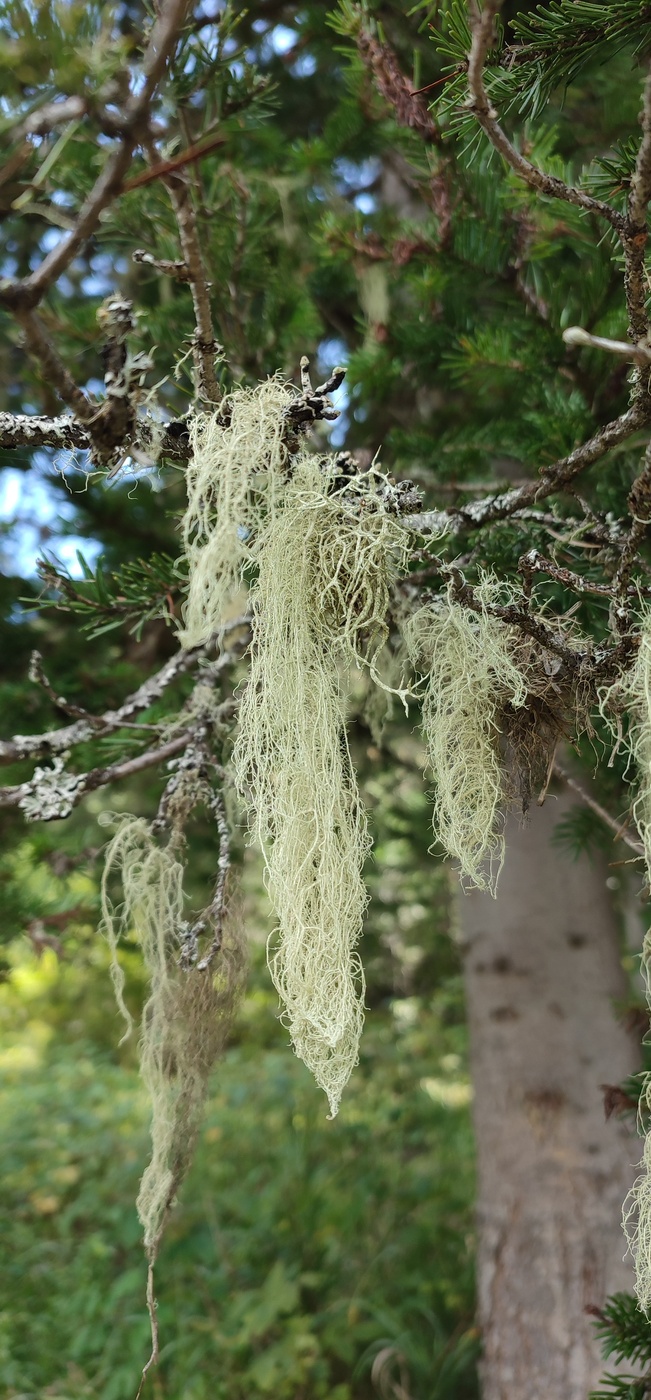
(205, 347)
(38, 676)
(75, 786)
(621, 832)
(534, 562)
(636, 237)
(27, 293)
(55, 373)
(482, 25)
(640, 354)
(58, 741)
(68, 434)
(550, 640)
(553, 478)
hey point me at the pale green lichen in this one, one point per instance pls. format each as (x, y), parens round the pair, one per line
(237, 457)
(327, 560)
(472, 665)
(631, 695)
(187, 1014)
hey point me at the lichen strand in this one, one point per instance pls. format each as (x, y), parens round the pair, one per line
(187, 1014)
(326, 565)
(473, 665)
(636, 1215)
(237, 459)
(631, 694)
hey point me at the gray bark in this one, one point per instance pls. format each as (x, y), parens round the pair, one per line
(543, 974)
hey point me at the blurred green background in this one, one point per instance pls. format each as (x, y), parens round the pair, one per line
(306, 1258)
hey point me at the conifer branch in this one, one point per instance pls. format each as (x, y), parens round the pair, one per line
(32, 431)
(168, 266)
(27, 293)
(621, 831)
(482, 25)
(55, 373)
(553, 478)
(59, 741)
(636, 237)
(205, 346)
(43, 800)
(533, 562)
(534, 627)
(640, 191)
(410, 110)
(409, 106)
(639, 354)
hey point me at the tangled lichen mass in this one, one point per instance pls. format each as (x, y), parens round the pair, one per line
(326, 564)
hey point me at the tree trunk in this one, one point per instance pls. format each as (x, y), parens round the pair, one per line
(543, 972)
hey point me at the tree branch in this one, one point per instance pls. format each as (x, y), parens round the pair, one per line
(55, 373)
(27, 294)
(551, 479)
(636, 238)
(44, 799)
(482, 24)
(205, 347)
(621, 832)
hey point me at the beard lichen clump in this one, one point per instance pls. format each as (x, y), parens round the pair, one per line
(187, 1014)
(636, 1215)
(326, 564)
(631, 694)
(237, 456)
(473, 667)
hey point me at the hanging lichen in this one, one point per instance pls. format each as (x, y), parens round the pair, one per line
(631, 695)
(473, 666)
(187, 1014)
(636, 1216)
(327, 560)
(237, 454)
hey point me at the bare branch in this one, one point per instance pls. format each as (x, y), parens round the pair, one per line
(38, 676)
(170, 268)
(164, 167)
(409, 106)
(205, 347)
(640, 354)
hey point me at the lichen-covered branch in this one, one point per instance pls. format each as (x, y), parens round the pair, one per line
(551, 479)
(59, 741)
(52, 792)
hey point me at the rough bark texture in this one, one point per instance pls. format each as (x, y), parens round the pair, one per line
(542, 973)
